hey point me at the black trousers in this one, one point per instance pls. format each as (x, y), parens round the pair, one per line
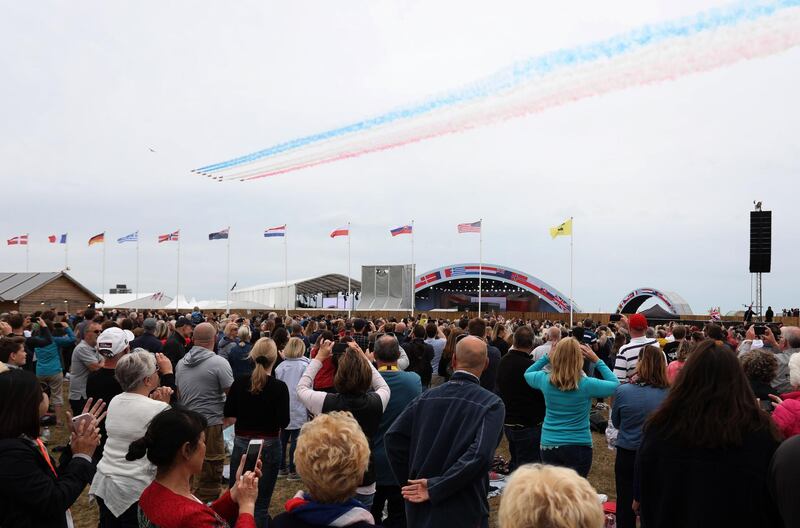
(623, 474)
(396, 507)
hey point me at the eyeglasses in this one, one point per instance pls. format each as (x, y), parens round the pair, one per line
(93, 332)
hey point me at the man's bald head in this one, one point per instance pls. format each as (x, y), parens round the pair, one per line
(792, 336)
(204, 335)
(400, 328)
(553, 334)
(471, 355)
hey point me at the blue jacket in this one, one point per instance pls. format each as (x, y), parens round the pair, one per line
(405, 386)
(448, 436)
(239, 360)
(633, 404)
(48, 357)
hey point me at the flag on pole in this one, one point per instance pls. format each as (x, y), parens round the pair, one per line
(342, 231)
(97, 239)
(219, 235)
(55, 239)
(565, 229)
(275, 231)
(21, 240)
(133, 237)
(157, 296)
(169, 237)
(474, 227)
(402, 230)
(234, 285)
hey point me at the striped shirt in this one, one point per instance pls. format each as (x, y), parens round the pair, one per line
(628, 357)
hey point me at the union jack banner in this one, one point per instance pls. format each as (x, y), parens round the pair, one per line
(169, 237)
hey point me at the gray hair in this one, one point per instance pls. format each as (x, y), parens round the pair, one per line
(792, 335)
(162, 330)
(387, 349)
(133, 368)
(244, 333)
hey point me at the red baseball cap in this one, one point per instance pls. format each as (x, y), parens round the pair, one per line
(637, 322)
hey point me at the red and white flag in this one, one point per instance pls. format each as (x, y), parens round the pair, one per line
(169, 237)
(474, 227)
(342, 231)
(21, 240)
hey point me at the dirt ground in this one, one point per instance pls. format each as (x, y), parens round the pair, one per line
(601, 477)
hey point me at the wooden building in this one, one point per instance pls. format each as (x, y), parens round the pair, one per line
(57, 291)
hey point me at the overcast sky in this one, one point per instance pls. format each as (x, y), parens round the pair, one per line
(659, 179)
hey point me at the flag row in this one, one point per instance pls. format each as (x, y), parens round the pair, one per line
(279, 231)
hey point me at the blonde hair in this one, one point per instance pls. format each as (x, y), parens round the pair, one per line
(566, 363)
(652, 367)
(551, 496)
(332, 455)
(263, 355)
(162, 329)
(243, 333)
(794, 370)
(295, 348)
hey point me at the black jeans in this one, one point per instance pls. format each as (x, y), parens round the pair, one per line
(523, 445)
(77, 406)
(128, 519)
(288, 438)
(396, 507)
(576, 457)
(623, 474)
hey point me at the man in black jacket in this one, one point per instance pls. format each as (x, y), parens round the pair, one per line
(148, 340)
(477, 327)
(525, 407)
(175, 347)
(443, 443)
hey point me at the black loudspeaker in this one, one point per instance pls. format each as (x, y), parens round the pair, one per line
(760, 241)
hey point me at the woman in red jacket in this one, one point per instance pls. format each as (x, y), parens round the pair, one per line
(175, 444)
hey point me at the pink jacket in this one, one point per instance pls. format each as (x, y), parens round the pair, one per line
(787, 414)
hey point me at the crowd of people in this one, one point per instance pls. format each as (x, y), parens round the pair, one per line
(396, 421)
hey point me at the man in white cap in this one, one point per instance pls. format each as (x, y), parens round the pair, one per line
(112, 344)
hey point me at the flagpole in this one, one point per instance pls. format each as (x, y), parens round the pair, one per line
(27, 253)
(348, 270)
(286, 273)
(103, 285)
(137, 265)
(571, 260)
(413, 272)
(228, 276)
(66, 258)
(480, 267)
(178, 284)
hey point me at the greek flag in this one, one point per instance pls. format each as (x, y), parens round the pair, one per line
(133, 237)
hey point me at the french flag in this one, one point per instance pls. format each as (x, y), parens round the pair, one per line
(402, 230)
(275, 231)
(342, 231)
(55, 239)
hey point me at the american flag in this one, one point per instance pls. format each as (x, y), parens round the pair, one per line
(169, 237)
(157, 296)
(21, 240)
(474, 227)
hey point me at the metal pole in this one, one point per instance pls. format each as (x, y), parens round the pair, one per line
(228, 276)
(137, 265)
(178, 283)
(103, 285)
(286, 273)
(571, 238)
(27, 253)
(480, 267)
(413, 272)
(66, 253)
(348, 270)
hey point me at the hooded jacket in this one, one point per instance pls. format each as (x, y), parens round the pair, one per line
(203, 378)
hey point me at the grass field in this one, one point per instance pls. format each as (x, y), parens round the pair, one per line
(601, 477)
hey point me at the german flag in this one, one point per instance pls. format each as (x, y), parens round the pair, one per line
(97, 239)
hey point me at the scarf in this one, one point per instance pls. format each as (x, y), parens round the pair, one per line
(318, 514)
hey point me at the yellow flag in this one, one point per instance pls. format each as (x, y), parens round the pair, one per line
(563, 229)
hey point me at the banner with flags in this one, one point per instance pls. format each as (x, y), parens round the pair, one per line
(219, 235)
(275, 231)
(133, 237)
(157, 296)
(565, 229)
(55, 239)
(474, 227)
(97, 239)
(342, 231)
(402, 230)
(21, 240)
(169, 237)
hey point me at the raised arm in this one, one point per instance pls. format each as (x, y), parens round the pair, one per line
(535, 376)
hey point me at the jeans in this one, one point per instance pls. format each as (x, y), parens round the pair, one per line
(523, 444)
(393, 499)
(576, 457)
(623, 474)
(288, 437)
(128, 519)
(270, 463)
(366, 500)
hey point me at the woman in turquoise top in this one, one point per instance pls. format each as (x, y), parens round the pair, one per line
(566, 438)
